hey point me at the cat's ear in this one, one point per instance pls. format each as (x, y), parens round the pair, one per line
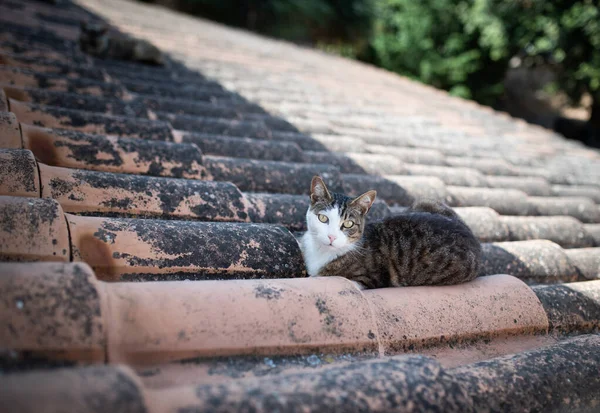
(83, 25)
(364, 202)
(318, 190)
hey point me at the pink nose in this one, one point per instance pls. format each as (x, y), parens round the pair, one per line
(331, 238)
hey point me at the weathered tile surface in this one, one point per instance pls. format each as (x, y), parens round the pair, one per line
(19, 175)
(32, 230)
(135, 170)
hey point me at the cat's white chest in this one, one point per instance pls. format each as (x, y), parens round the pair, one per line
(315, 257)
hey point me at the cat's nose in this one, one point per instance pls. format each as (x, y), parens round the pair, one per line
(331, 238)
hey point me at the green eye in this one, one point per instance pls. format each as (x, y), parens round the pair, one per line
(348, 224)
(322, 218)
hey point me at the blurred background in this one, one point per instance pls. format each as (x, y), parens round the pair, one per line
(537, 60)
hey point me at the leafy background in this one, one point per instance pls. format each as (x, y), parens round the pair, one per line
(471, 48)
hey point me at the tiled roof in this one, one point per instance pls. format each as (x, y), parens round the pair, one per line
(192, 180)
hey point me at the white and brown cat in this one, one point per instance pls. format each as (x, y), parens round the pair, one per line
(426, 245)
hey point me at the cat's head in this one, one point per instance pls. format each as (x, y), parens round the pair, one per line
(93, 37)
(334, 220)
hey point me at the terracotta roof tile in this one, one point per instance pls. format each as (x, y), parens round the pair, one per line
(592, 192)
(89, 192)
(246, 147)
(27, 79)
(143, 249)
(334, 143)
(50, 66)
(413, 382)
(196, 175)
(417, 317)
(584, 209)
(594, 231)
(74, 149)
(402, 190)
(493, 384)
(18, 173)
(33, 230)
(486, 166)
(538, 261)
(9, 128)
(484, 222)
(535, 186)
(270, 176)
(296, 315)
(68, 324)
(458, 176)
(78, 101)
(503, 201)
(572, 307)
(586, 260)
(410, 155)
(3, 102)
(79, 120)
(566, 231)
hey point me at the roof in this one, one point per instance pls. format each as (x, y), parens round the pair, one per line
(149, 219)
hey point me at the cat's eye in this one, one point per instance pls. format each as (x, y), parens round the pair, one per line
(348, 224)
(323, 218)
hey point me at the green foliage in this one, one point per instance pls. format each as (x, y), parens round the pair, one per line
(463, 47)
(578, 48)
(567, 33)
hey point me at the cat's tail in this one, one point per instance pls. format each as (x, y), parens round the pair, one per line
(434, 207)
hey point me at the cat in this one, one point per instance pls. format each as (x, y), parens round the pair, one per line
(426, 245)
(97, 40)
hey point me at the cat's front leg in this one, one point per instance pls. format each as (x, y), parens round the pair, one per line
(337, 268)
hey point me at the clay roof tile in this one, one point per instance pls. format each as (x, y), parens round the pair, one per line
(154, 213)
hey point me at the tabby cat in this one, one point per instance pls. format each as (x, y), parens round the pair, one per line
(97, 40)
(426, 245)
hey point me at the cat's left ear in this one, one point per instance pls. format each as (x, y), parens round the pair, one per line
(364, 202)
(318, 190)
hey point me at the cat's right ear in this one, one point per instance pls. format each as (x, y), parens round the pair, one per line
(364, 202)
(318, 191)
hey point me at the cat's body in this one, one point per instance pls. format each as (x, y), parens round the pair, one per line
(97, 40)
(427, 245)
